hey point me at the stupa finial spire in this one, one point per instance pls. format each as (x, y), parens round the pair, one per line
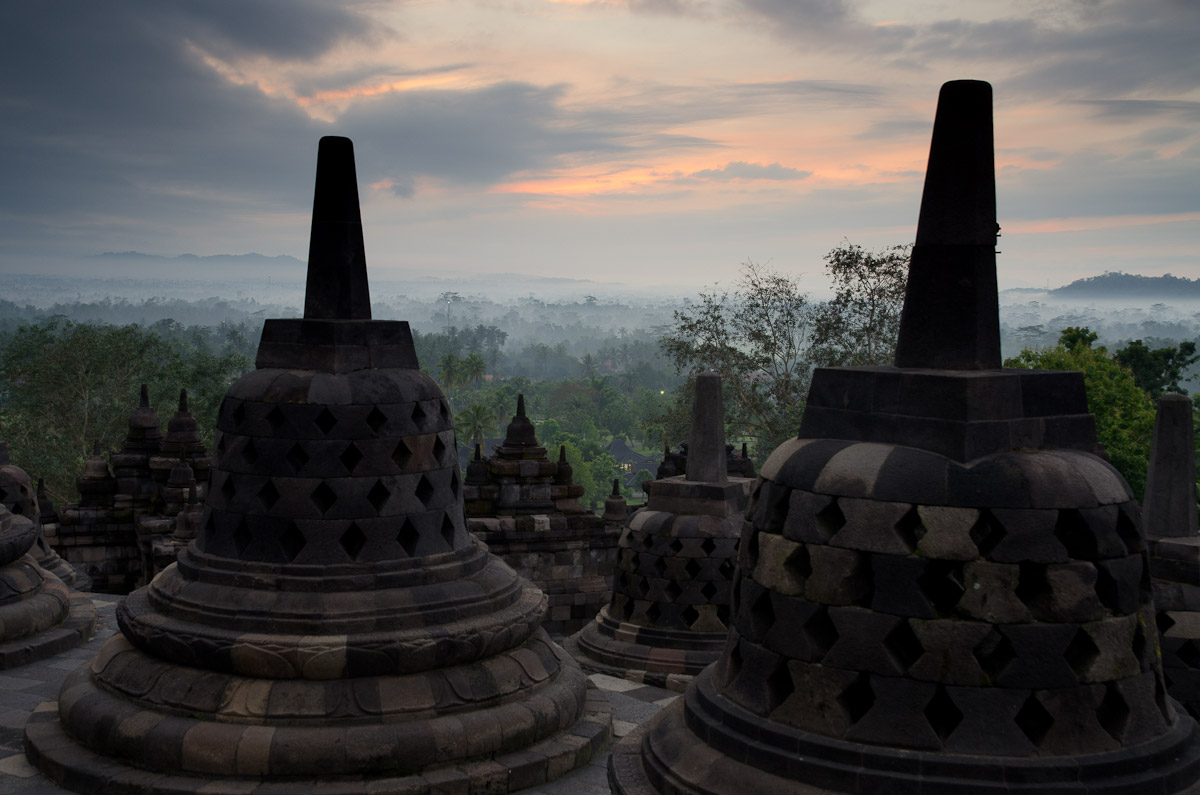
(337, 263)
(951, 316)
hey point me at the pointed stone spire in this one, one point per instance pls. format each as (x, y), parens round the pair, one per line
(616, 492)
(520, 430)
(706, 461)
(951, 316)
(144, 397)
(4, 459)
(1169, 508)
(337, 262)
(183, 404)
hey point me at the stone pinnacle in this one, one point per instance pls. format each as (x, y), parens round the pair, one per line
(706, 444)
(337, 263)
(951, 316)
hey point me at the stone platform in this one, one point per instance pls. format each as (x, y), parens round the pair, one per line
(31, 691)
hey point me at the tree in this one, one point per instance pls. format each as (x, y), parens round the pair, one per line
(474, 422)
(860, 324)
(756, 338)
(1158, 370)
(1124, 412)
(473, 368)
(449, 371)
(67, 384)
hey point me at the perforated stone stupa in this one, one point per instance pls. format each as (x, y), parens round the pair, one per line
(526, 508)
(943, 588)
(334, 627)
(669, 613)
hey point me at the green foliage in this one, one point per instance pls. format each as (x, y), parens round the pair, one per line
(860, 324)
(67, 384)
(474, 423)
(1124, 412)
(1158, 370)
(756, 338)
(1073, 336)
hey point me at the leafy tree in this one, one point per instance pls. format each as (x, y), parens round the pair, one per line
(473, 368)
(756, 338)
(1124, 412)
(449, 371)
(1158, 370)
(859, 325)
(67, 384)
(475, 422)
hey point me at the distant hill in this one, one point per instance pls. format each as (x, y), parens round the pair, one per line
(1117, 285)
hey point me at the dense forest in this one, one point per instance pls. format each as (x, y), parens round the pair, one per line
(593, 369)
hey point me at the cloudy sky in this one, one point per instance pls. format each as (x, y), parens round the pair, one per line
(639, 141)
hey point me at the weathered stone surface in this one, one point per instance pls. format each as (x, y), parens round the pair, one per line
(333, 619)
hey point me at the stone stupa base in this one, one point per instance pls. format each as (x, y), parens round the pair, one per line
(50, 621)
(704, 743)
(387, 734)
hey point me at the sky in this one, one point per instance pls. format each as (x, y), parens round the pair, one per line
(653, 142)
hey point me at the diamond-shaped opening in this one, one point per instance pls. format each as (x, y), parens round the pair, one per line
(909, 529)
(439, 449)
(323, 497)
(1113, 712)
(268, 495)
(350, 457)
(448, 530)
(1164, 622)
(242, 537)
(762, 615)
(228, 488)
(660, 566)
(771, 510)
(903, 646)
(291, 540)
(709, 546)
(401, 456)
(858, 698)
(454, 483)
(297, 457)
(378, 496)
(779, 686)
(733, 660)
(708, 591)
(749, 553)
(673, 591)
(376, 420)
(1033, 720)
(408, 537)
(1109, 590)
(275, 418)
(424, 491)
(942, 584)
(325, 421)
(1031, 583)
(647, 541)
(353, 541)
(692, 568)
(641, 586)
(690, 616)
(723, 614)
(994, 653)
(1081, 653)
(239, 415)
(943, 714)
(626, 608)
(821, 633)
(830, 519)
(1129, 532)
(676, 545)
(1139, 642)
(797, 563)
(444, 411)
(249, 452)
(1075, 535)
(726, 568)
(1188, 653)
(653, 613)
(987, 533)
(418, 415)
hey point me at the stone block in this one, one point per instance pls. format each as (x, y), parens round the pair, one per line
(839, 576)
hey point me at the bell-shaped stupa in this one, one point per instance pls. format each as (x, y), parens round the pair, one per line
(669, 613)
(942, 588)
(333, 627)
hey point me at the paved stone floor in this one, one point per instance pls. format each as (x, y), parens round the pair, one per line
(31, 687)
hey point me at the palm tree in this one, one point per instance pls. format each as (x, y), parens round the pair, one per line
(449, 371)
(473, 368)
(474, 422)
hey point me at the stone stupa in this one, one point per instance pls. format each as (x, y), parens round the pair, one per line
(333, 627)
(942, 588)
(669, 613)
